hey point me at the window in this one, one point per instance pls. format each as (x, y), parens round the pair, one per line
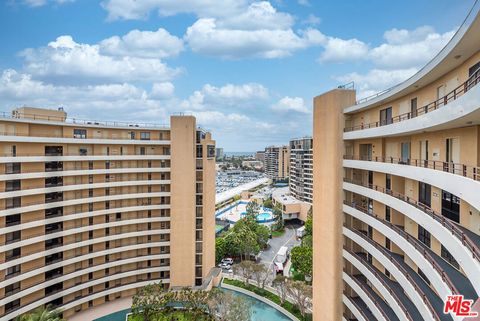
(53, 181)
(424, 193)
(12, 237)
(13, 202)
(131, 135)
(53, 212)
(413, 107)
(12, 168)
(14, 150)
(449, 257)
(11, 220)
(118, 216)
(387, 213)
(388, 181)
(199, 151)
(386, 116)
(12, 305)
(12, 254)
(451, 206)
(79, 133)
(12, 271)
(82, 151)
(424, 236)
(387, 243)
(210, 151)
(53, 150)
(145, 135)
(142, 150)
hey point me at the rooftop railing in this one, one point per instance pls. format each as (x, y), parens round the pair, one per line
(445, 222)
(451, 96)
(79, 121)
(468, 171)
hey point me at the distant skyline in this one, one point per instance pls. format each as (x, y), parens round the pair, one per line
(248, 70)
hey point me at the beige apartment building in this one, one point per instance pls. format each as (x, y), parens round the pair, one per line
(277, 162)
(91, 211)
(301, 169)
(397, 192)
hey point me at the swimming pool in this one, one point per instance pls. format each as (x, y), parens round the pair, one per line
(260, 311)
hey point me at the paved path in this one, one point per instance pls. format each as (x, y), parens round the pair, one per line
(288, 239)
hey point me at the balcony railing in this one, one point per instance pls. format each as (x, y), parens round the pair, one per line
(387, 286)
(468, 171)
(446, 222)
(370, 296)
(402, 270)
(451, 96)
(415, 243)
(359, 308)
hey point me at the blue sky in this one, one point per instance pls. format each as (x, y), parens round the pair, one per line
(248, 70)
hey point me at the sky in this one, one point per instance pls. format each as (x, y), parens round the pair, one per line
(248, 70)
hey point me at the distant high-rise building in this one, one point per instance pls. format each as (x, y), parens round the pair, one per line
(91, 211)
(260, 156)
(277, 162)
(301, 169)
(219, 153)
(396, 196)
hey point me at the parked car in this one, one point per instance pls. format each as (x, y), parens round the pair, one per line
(227, 260)
(225, 266)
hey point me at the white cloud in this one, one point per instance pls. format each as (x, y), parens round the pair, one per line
(39, 3)
(312, 20)
(68, 60)
(162, 90)
(206, 37)
(339, 50)
(376, 80)
(304, 3)
(133, 9)
(289, 104)
(144, 44)
(229, 95)
(405, 49)
(259, 15)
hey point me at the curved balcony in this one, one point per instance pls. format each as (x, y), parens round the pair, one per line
(458, 243)
(33, 271)
(42, 254)
(33, 239)
(83, 172)
(423, 297)
(397, 301)
(77, 201)
(458, 179)
(455, 280)
(78, 187)
(47, 299)
(379, 308)
(69, 276)
(458, 108)
(78, 158)
(359, 310)
(74, 216)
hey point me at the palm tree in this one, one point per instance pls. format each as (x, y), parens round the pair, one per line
(42, 314)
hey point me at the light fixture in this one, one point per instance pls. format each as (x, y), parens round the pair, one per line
(457, 56)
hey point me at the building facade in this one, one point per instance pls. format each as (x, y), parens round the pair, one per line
(301, 169)
(92, 211)
(219, 153)
(277, 162)
(397, 192)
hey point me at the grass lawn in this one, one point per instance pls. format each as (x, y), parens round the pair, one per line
(270, 296)
(278, 233)
(173, 316)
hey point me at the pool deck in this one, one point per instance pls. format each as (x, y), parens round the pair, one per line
(102, 310)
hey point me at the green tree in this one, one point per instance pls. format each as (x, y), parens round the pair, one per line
(220, 248)
(280, 284)
(278, 217)
(309, 222)
(302, 259)
(227, 307)
(42, 314)
(149, 300)
(245, 269)
(261, 274)
(252, 210)
(301, 293)
(268, 203)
